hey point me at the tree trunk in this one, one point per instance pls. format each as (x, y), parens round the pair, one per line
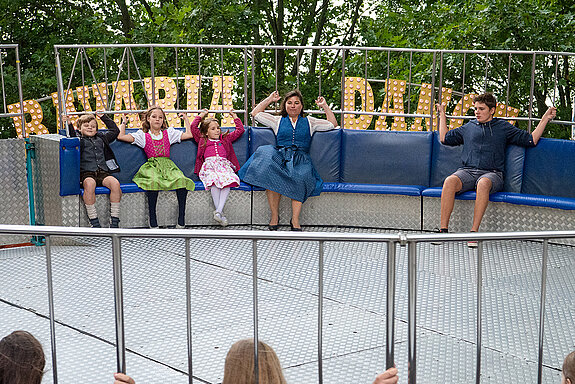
(318, 33)
(126, 20)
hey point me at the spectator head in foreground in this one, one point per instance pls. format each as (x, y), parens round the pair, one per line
(22, 359)
(568, 371)
(239, 367)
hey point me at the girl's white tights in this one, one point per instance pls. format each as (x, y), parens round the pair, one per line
(219, 195)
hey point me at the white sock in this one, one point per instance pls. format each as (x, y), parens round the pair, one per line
(92, 213)
(223, 197)
(115, 209)
(215, 196)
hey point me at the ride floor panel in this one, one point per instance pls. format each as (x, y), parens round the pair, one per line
(354, 302)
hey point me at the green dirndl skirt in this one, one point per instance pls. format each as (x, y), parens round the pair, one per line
(161, 174)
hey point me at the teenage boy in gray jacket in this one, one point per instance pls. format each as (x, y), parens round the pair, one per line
(484, 140)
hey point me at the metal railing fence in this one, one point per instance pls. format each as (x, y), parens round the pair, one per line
(392, 240)
(467, 71)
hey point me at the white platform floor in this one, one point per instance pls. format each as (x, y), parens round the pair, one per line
(354, 308)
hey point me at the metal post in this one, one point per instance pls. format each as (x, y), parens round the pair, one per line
(153, 80)
(246, 86)
(189, 311)
(60, 85)
(463, 80)
(486, 71)
(531, 91)
(320, 315)
(431, 105)
(177, 81)
(479, 317)
(297, 58)
(388, 94)
(51, 306)
(390, 317)
(3, 89)
(254, 81)
(199, 79)
(342, 87)
(440, 96)
(255, 308)
(542, 309)
(319, 60)
(409, 83)
(411, 310)
(119, 304)
(508, 85)
(555, 82)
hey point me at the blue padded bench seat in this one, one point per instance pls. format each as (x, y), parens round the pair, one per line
(513, 198)
(132, 187)
(381, 189)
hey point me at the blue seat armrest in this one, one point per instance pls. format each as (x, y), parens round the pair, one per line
(383, 189)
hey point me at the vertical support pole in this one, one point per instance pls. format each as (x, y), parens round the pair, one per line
(463, 75)
(119, 304)
(432, 91)
(486, 72)
(542, 309)
(440, 96)
(342, 85)
(479, 317)
(177, 81)
(555, 82)
(297, 58)
(320, 68)
(51, 307)
(255, 308)
(254, 79)
(30, 153)
(508, 84)
(189, 312)
(199, 79)
(409, 83)
(320, 314)
(390, 320)
(411, 310)
(60, 85)
(152, 70)
(531, 91)
(246, 106)
(2, 75)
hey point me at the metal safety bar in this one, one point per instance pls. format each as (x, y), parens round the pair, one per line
(344, 52)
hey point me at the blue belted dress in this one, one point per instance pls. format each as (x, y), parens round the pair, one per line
(285, 168)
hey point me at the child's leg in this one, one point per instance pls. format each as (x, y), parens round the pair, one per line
(215, 191)
(152, 203)
(181, 194)
(223, 197)
(115, 195)
(89, 198)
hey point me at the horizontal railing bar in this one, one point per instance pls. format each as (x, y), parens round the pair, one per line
(130, 111)
(8, 45)
(266, 235)
(312, 47)
(194, 233)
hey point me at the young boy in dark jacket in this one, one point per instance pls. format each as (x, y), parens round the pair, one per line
(484, 140)
(97, 163)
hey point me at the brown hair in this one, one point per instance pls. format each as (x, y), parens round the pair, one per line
(22, 359)
(487, 99)
(84, 119)
(145, 115)
(569, 367)
(288, 95)
(239, 368)
(205, 124)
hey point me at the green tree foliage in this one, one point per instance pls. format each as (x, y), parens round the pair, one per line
(462, 24)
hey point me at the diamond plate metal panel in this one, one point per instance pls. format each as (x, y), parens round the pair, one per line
(46, 171)
(14, 196)
(353, 209)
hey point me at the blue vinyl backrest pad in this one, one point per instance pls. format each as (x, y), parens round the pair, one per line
(550, 169)
(385, 157)
(69, 166)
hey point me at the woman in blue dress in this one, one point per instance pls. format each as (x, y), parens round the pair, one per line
(286, 168)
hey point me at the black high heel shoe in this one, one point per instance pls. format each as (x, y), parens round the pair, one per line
(274, 227)
(294, 228)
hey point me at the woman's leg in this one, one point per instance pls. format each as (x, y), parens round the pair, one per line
(152, 203)
(223, 197)
(295, 212)
(274, 203)
(181, 194)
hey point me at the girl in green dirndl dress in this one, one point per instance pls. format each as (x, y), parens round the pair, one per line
(159, 173)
